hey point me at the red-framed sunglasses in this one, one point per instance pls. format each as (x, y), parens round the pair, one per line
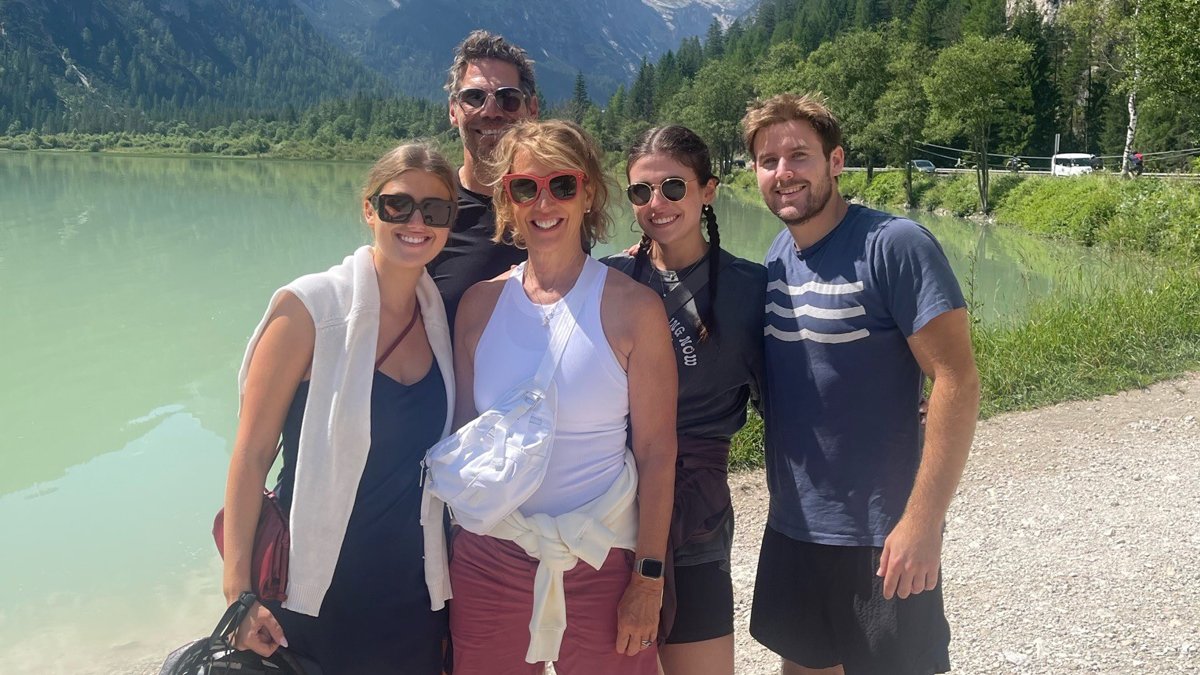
(523, 188)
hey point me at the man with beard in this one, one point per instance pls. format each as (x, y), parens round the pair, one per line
(491, 87)
(860, 306)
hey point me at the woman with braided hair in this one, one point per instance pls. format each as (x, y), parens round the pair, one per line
(714, 303)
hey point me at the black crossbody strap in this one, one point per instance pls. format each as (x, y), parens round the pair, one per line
(688, 288)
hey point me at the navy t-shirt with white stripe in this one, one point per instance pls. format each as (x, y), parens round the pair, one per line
(841, 384)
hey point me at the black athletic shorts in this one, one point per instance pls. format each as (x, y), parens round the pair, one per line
(819, 606)
(704, 597)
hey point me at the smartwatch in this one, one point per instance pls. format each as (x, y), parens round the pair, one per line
(649, 568)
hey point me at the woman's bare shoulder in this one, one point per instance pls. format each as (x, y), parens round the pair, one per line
(292, 316)
(636, 302)
(477, 303)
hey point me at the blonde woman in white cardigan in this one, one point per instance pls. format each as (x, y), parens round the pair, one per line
(353, 368)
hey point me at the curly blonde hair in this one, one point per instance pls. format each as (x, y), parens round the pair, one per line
(556, 143)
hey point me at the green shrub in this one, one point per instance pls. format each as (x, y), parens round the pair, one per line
(1000, 184)
(958, 194)
(886, 188)
(852, 184)
(741, 181)
(1147, 214)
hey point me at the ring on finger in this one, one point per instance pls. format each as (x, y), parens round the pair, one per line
(647, 643)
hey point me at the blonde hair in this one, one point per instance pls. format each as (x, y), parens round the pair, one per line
(810, 108)
(557, 143)
(412, 157)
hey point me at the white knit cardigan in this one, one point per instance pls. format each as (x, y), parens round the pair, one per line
(336, 432)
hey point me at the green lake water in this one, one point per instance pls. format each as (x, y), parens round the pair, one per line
(128, 287)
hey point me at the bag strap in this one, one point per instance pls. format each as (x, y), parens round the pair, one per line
(576, 299)
(234, 615)
(689, 287)
(399, 338)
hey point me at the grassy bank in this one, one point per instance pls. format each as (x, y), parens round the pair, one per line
(1074, 347)
(1155, 215)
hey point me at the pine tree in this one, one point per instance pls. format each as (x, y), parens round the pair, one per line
(579, 102)
(714, 41)
(640, 104)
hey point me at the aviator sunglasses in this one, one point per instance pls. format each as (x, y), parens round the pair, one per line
(509, 99)
(523, 188)
(398, 208)
(673, 189)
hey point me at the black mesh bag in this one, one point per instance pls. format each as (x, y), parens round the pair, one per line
(215, 655)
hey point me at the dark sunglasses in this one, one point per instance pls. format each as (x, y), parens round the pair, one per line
(510, 99)
(523, 188)
(398, 208)
(673, 189)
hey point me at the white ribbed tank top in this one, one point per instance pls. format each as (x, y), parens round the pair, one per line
(593, 390)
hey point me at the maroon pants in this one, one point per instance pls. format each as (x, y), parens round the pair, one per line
(493, 602)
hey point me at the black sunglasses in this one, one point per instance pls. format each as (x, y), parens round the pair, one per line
(398, 208)
(673, 189)
(510, 99)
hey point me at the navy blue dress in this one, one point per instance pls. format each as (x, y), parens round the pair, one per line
(375, 618)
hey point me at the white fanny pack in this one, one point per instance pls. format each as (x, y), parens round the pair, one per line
(492, 465)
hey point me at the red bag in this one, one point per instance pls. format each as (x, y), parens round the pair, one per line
(272, 542)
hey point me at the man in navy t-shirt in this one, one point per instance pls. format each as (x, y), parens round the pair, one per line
(861, 305)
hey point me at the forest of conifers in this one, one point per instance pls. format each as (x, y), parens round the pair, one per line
(981, 74)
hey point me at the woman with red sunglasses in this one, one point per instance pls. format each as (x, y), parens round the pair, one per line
(592, 537)
(349, 375)
(714, 303)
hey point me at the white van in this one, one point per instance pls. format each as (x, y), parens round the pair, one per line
(1072, 164)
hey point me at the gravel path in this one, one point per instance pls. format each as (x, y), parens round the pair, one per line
(1071, 546)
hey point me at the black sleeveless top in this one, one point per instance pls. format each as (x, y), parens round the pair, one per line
(375, 616)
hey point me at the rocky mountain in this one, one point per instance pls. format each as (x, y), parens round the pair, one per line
(410, 41)
(105, 64)
(129, 64)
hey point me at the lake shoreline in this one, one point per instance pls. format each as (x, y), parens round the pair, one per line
(251, 146)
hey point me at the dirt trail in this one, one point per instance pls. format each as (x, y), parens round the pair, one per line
(1071, 546)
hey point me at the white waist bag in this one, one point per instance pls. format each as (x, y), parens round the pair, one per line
(492, 465)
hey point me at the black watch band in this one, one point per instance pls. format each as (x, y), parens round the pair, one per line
(649, 568)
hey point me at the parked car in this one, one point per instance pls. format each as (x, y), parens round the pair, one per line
(1072, 164)
(924, 166)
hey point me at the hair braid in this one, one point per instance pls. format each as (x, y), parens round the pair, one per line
(642, 255)
(708, 323)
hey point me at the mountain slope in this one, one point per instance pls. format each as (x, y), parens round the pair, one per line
(411, 41)
(92, 64)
